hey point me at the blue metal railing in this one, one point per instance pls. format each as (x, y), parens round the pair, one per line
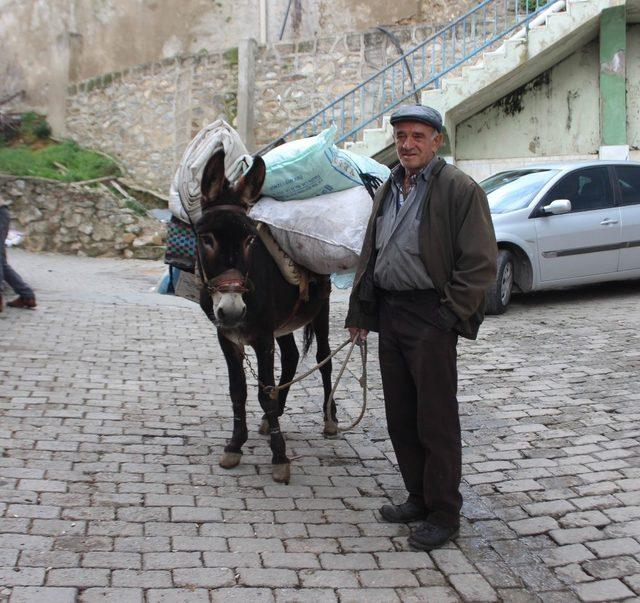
(420, 68)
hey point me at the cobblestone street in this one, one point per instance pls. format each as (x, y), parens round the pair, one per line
(114, 410)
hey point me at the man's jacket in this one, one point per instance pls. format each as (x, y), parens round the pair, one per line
(457, 245)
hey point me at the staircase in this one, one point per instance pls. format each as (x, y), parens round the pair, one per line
(561, 28)
(477, 59)
(422, 68)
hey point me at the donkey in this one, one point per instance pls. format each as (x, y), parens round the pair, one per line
(248, 300)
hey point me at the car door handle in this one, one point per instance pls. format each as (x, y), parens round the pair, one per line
(608, 221)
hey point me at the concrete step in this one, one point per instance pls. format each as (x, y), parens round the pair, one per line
(524, 54)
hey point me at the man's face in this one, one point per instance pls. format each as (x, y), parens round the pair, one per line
(416, 144)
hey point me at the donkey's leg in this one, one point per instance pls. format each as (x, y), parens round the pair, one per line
(321, 330)
(289, 357)
(234, 355)
(281, 464)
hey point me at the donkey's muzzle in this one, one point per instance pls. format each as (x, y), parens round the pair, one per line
(229, 309)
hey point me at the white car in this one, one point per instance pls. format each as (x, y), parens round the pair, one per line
(565, 224)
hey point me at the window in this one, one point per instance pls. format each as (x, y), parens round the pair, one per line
(587, 189)
(629, 182)
(509, 191)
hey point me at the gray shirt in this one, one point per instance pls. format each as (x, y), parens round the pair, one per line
(399, 266)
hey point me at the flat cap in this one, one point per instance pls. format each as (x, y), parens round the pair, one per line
(426, 115)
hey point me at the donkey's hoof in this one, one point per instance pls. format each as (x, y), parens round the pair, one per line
(230, 459)
(282, 473)
(330, 428)
(264, 427)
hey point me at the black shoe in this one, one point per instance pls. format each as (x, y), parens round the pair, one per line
(403, 513)
(429, 536)
(23, 302)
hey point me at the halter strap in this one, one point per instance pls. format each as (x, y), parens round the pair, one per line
(230, 281)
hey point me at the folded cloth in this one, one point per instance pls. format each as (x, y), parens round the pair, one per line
(184, 194)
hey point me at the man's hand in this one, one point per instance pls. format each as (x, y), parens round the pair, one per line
(357, 334)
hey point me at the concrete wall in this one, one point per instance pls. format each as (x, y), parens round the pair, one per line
(633, 88)
(49, 43)
(556, 114)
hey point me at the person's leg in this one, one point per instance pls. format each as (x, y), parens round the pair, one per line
(434, 370)
(400, 404)
(431, 356)
(7, 273)
(4, 231)
(2, 260)
(17, 284)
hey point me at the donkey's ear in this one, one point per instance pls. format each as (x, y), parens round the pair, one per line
(250, 185)
(213, 178)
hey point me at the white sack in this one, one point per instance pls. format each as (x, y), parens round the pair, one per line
(324, 233)
(184, 194)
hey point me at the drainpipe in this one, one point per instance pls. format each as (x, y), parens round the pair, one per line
(613, 94)
(246, 91)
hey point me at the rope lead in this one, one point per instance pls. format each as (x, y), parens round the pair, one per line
(272, 390)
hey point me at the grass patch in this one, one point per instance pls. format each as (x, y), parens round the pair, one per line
(136, 207)
(65, 161)
(34, 127)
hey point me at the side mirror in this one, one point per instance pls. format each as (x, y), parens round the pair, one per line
(557, 207)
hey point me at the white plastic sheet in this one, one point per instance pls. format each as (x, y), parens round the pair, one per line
(324, 233)
(14, 238)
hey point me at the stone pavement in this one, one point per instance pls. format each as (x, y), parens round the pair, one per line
(114, 411)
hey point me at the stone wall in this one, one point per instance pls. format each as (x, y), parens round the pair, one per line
(76, 219)
(295, 80)
(146, 116)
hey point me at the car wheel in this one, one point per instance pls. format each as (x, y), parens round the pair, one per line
(499, 294)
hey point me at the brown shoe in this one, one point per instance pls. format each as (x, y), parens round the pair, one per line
(23, 302)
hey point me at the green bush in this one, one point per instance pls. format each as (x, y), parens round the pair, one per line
(34, 127)
(531, 5)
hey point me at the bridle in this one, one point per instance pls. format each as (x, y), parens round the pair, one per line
(232, 280)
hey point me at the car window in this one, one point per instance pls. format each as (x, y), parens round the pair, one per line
(515, 189)
(629, 182)
(587, 189)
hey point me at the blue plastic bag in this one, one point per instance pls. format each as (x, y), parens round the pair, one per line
(343, 280)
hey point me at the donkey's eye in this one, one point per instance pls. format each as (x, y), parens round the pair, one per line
(249, 240)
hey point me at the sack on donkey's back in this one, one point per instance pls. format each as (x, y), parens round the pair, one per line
(323, 234)
(315, 166)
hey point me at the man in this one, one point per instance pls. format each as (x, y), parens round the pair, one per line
(26, 298)
(428, 255)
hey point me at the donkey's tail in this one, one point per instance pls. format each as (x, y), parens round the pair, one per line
(307, 338)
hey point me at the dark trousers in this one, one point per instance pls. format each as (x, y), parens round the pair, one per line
(6, 272)
(420, 380)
